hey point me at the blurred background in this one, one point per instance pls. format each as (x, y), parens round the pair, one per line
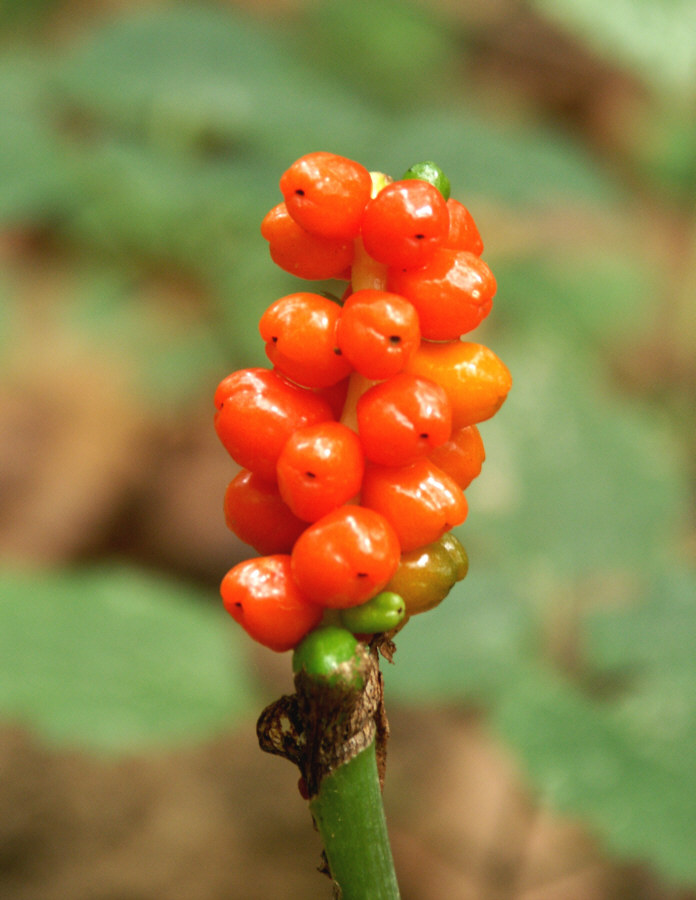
(544, 717)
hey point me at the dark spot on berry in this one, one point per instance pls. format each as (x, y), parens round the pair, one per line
(310, 474)
(394, 339)
(274, 338)
(238, 605)
(361, 574)
(299, 192)
(337, 351)
(424, 435)
(419, 237)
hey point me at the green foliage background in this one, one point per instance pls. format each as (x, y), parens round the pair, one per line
(155, 138)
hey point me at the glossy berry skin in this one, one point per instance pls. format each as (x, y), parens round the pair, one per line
(463, 232)
(378, 332)
(419, 500)
(383, 612)
(261, 596)
(462, 456)
(476, 380)
(402, 419)
(345, 557)
(323, 655)
(300, 335)
(258, 515)
(405, 223)
(452, 293)
(425, 576)
(326, 194)
(257, 411)
(303, 254)
(320, 468)
(431, 172)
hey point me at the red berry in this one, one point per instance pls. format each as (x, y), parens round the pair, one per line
(462, 456)
(419, 500)
(463, 233)
(301, 253)
(405, 223)
(345, 557)
(258, 515)
(378, 332)
(300, 335)
(320, 468)
(326, 194)
(261, 595)
(257, 411)
(452, 293)
(402, 419)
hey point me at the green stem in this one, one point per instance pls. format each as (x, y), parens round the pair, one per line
(349, 814)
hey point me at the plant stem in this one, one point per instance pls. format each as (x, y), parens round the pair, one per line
(349, 815)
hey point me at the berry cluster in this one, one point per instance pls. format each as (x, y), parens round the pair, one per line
(357, 445)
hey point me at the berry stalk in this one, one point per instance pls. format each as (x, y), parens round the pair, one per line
(335, 730)
(350, 818)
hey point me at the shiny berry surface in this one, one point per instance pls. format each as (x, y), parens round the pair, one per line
(432, 173)
(301, 253)
(323, 655)
(463, 233)
(258, 515)
(345, 557)
(405, 223)
(261, 596)
(326, 194)
(419, 500)
(452, 293)
(476, 380)
(257, 411)
(300, 335)
(320, 468)
(425, 576)
(462, 456)
(383, 612)
(378, 332)
(402, 419)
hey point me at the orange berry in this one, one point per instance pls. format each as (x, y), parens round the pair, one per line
(475, 379)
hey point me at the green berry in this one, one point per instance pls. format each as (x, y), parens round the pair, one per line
(329, 654)
(432, 173)
(382, 612)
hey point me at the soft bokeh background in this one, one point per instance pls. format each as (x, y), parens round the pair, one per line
(544, 717)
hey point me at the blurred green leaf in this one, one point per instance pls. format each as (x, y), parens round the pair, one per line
(575, 480)
(394, 52)
(24, 13)
(655, 39)
(584, 762)
(520, 163)
(648, 646)
(625, 761)
(37, 172)
(164, 342)
(597, 295)
(470, 647)
(211, 81)
(115, 658)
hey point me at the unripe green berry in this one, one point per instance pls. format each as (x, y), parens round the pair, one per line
(432, 173)
(383, 612)
(330, 654)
